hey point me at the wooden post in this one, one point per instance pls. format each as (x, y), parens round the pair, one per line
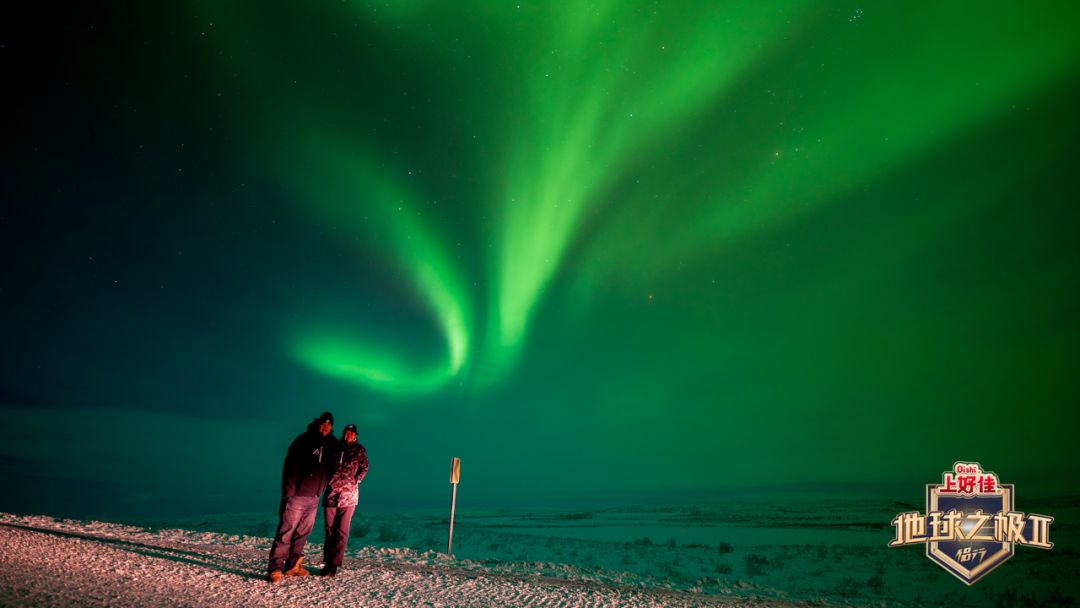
(455, 476)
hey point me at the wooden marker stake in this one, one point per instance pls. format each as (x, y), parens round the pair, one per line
(455, 476)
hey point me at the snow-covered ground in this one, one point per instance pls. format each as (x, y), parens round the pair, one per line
(51, 562)
(738, 554)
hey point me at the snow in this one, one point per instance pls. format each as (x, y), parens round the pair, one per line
(766, 553)
(72, 563)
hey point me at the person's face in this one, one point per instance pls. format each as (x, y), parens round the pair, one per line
(350, 436)
(325, 427)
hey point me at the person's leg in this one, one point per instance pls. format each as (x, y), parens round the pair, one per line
(289, 515)
(330, 516)
(336, 553)
(306, 507)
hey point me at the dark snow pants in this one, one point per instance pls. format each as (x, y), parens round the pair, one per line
(297, 515)
(338, 520)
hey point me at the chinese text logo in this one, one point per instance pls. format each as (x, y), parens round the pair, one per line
(970, 526)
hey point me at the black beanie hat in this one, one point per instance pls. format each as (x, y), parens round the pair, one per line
(326, 416)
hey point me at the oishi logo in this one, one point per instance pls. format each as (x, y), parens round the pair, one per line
(970, 526)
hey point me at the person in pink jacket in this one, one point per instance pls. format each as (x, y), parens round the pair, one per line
(341, 498)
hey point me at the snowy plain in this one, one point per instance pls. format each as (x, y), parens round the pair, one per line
(737, 554)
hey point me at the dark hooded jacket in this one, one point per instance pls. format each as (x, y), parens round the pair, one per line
(308, 463)
(351, 465)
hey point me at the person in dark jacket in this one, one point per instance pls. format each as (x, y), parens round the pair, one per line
(342, 496)
(308, 466)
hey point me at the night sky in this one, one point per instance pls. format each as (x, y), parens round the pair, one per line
(604, 252)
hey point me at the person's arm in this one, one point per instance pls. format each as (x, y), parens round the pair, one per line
(361, 468)
(332, 458)
(290, 471)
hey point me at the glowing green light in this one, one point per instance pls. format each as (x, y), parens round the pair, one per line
(593, 106)
(633, 140)
(373, 204)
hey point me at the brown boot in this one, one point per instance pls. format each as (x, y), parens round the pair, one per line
(275, 576)
(298, 568)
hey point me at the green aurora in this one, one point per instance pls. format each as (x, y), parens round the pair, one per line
(603, 85)
(603, 251)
